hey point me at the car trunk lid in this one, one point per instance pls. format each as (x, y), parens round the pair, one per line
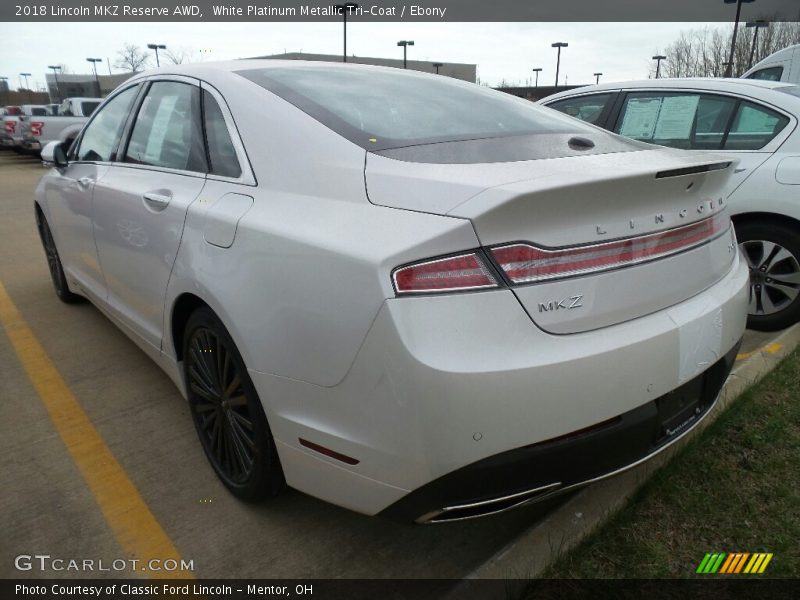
(647, 197)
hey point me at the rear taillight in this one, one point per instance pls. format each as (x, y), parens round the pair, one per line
(36, 128)
(452, 274)
(523, 263)
(9, 127)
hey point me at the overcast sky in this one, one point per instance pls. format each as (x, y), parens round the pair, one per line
(507, 51)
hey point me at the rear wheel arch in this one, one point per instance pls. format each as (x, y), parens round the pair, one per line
(182, 309)
(765, 217)
(771, 245)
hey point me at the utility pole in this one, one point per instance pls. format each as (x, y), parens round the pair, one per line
(558, 45)
(405, 44)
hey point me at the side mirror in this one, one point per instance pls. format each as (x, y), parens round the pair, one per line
(54, 154)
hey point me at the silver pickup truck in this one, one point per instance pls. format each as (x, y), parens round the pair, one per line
(72, 115)
(13, 119)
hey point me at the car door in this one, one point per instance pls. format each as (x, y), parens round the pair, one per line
(69, 193)
(142, 200)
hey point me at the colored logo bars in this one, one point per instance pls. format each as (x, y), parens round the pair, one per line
(736, 562)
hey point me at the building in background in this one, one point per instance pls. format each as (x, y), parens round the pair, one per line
(463, 71)
(82, 86)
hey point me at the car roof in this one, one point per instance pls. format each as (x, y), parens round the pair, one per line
(210, 69)
(754, 88)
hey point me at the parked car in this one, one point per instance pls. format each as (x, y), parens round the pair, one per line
(13, 122)
(401, 293)
(71, 116)
(6, 141)
(752, 121)
(783, 65)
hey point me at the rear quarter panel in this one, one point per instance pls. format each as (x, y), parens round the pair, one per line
(311, 260)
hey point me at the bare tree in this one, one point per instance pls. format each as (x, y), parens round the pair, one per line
(131, 58)
(179, 56)
(704, 52)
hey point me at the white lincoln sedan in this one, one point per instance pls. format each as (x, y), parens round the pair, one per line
(750, 121)
(398, 292)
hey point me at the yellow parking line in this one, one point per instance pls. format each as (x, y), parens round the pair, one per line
(134, 525)
(773, 348)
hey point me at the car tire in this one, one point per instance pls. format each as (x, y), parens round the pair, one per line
(54, 264)
(772, 251)
(227, 412)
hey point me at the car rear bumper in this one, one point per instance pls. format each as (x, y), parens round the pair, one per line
(540, 471)
(444, 386)
(32, 145)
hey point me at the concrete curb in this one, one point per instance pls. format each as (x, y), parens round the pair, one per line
(539, 546)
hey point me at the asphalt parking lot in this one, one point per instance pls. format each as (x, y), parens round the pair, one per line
(147, 487)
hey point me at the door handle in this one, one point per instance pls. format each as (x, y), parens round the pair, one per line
(157, 200)
(85, 182)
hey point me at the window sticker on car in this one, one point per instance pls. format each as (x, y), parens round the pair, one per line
(640, 118)
(158, 131)
(676, 117)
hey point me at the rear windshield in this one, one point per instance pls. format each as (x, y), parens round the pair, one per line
(382, 109)
(38, 111)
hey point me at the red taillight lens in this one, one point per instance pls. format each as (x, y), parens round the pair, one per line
(36, 128)
(523, 263)
(457, 273)
(9, 127)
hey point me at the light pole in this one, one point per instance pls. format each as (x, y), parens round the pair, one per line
(558, 45)
(345, 8)
(537, 70)
(436, 66)
(597, 78)
(658, 58)
(4, 80)
(756, 25)
(405, 44)
(56, 69)
(157, 47)
(27, 86)
(729, 69)
(94, 62)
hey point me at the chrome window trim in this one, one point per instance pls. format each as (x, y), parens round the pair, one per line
(776, 141)
(769, 148)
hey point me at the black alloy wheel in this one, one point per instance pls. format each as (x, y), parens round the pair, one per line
(54, 264)
(227, 412)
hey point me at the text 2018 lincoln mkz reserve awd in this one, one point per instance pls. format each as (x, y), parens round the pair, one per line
(398, 292)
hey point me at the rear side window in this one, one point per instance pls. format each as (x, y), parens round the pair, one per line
(711, 122)
(100, 139)
(221, 152)
(693, 121)
(754, 127)
(168, 130)
(87, 108)
(586, 108)
(768, 74)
